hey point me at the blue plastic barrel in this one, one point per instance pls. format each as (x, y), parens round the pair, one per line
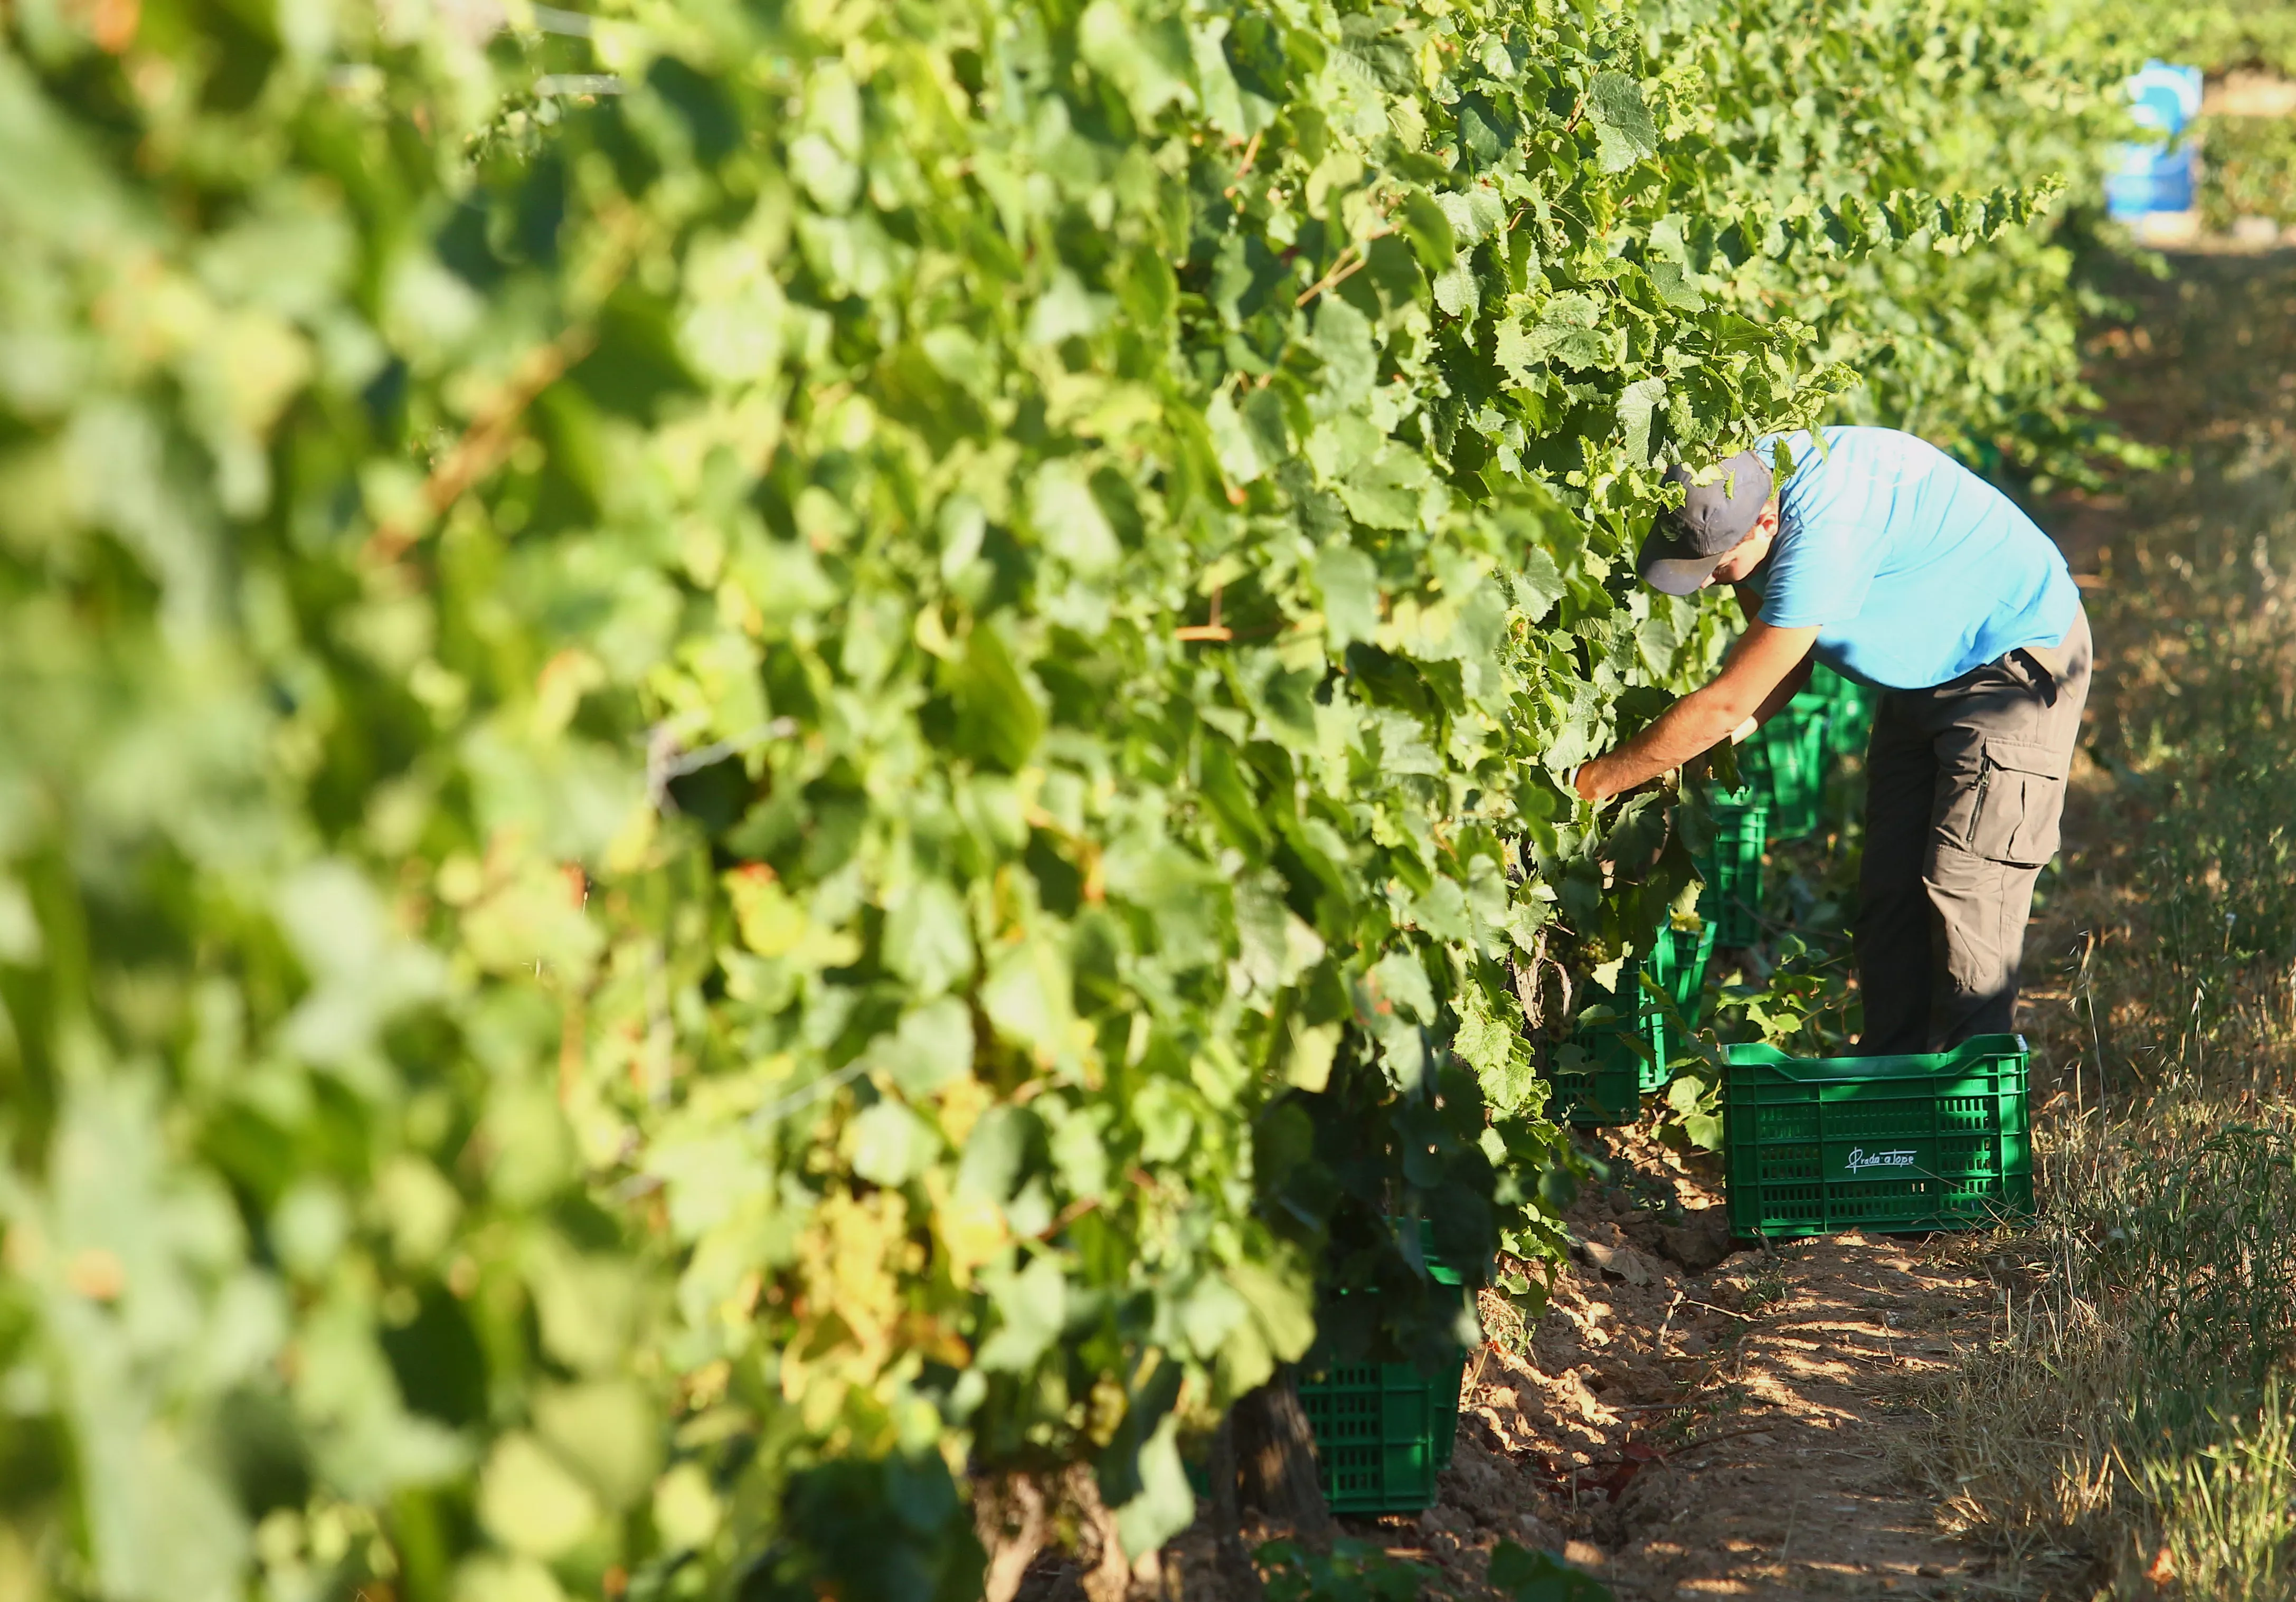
(2165, 98)
(2155, 175)
(2144, 178)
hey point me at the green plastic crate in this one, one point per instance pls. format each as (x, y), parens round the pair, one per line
(1732, 902)
(1604, 1068)
(1384, 1430)
(1604, 1081)
(1850, 708)
(1598, 1077)
(1678, 962)
(1786, 763)
(1815, 1145)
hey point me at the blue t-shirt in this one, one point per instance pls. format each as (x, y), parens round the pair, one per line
(1913, 569)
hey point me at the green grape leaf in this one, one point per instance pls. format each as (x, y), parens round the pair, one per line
(1624, 131)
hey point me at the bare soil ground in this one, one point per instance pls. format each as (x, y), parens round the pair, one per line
(1683, 1427)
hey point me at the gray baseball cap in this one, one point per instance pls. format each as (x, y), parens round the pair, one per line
(1688, 541)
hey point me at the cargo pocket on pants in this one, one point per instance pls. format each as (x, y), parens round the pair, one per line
(2020, 802)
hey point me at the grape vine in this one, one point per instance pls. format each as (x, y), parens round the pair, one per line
(757, 759)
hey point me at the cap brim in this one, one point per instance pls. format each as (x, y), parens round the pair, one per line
(1665, 568)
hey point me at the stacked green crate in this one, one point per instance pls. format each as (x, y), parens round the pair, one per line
(1732, 902)
(1785, 762)
(1678, 963)
(1384, 1430)
(1604, 1069)
(1849, 707)
(1598, 1073)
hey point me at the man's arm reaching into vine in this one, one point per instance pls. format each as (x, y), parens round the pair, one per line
(1764, 671)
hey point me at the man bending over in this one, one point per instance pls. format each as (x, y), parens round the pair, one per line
(1895, 566)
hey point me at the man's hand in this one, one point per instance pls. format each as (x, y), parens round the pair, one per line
(1589, 781)
(1764, 671)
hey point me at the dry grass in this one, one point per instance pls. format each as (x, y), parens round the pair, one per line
(2127, 1429)
(2125, 1423)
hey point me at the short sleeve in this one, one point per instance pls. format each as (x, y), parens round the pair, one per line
(1818, 578)
(1828, 549)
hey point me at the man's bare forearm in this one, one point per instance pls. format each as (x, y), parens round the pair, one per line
(1761, 673)
(1691, 727)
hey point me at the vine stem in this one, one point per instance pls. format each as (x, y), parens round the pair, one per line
(483, 448)
(1214, 630)
(1342, 268)
(492, 434)
(1251, 155)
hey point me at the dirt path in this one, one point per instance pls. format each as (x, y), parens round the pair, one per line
(1682, 1428)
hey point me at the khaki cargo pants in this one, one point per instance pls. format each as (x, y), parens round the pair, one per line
(1965, 783)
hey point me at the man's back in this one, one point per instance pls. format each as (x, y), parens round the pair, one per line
(1913, 568)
